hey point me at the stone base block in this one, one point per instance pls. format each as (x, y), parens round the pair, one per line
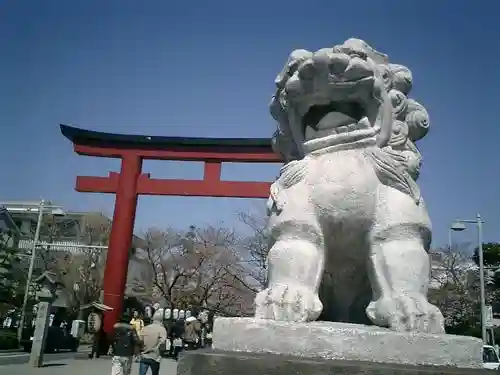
(207, 362)
(340, 341)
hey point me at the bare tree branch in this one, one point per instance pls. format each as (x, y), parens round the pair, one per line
(81, 271)
(453, 285)
(197, 268)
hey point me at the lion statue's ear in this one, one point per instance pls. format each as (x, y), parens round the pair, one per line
(385, 115)
(284, 146)
(417, 119)
(294, 60)
(402, 79)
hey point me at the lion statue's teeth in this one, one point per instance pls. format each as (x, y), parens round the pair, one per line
(357, 69)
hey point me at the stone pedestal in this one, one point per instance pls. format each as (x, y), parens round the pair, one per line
(341, 341)
(207, 362)
(247, 346)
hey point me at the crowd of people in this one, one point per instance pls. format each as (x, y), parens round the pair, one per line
(147, 340)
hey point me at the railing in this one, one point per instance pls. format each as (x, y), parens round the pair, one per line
(69, 246)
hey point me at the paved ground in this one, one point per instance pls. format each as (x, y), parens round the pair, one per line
(19, 357)
(78, 365)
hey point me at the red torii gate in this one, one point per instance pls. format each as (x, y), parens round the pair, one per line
(130, 182)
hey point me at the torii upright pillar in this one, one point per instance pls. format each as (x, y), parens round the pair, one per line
(131, 182)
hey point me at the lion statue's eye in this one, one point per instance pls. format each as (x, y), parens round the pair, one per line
(358, 53)
(292, 68)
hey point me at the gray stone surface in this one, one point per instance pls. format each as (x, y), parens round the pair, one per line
(341, 341)
(40, 334)
(223, 363)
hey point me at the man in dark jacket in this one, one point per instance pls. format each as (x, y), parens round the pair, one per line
(126, 344)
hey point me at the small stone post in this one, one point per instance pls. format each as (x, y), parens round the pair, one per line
(46, 297)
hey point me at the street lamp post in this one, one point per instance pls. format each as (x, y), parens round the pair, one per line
(450, 240)
(458, 226)
(36, 239)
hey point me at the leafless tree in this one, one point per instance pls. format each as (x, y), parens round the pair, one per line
(454, 287)
(81, 270)
(254, 246)
(52, 230)
(199, 268)
(140, 279)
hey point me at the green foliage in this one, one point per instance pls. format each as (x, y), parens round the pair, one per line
(10, 276)
(467, 328)
(8, 340)
(491, 255)
(491, 259)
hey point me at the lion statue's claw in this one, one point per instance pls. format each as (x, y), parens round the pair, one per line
(292, 303)
(405, 313)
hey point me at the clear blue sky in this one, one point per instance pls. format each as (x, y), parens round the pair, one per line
(206, 68)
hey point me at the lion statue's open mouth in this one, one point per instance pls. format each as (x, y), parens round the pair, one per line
(337, 93)
(350, 78)
(339, 117)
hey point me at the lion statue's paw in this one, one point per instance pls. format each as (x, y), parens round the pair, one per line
(293, 303)
(406, 313)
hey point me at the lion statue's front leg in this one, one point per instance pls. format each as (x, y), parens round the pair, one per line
(295, 259)
(399, 266)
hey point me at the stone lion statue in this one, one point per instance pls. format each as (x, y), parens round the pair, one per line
(349, 231)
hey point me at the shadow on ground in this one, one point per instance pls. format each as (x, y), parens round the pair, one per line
(54, 364)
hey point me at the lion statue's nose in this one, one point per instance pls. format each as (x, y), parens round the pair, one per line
(338, 63)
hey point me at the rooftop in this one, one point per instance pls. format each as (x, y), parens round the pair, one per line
(94, 138)
(7, 224)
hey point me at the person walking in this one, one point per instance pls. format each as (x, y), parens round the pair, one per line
(137, 322)
(170, 347)
(192, 332)
(177, 334)
(154, 338)
(125, 342)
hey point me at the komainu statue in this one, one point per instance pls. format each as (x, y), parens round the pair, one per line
(349, 231)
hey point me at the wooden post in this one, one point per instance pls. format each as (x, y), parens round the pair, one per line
(120, 242)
